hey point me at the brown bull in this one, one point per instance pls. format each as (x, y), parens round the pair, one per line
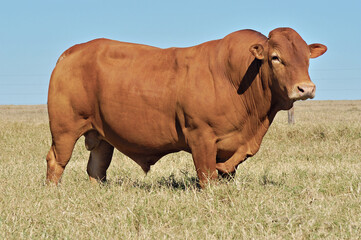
(215, 100)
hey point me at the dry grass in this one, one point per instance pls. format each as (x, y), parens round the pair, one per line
(305, 183)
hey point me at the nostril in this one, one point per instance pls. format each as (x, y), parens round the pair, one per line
(300, 89)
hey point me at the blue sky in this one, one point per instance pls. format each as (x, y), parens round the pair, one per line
(33, 34)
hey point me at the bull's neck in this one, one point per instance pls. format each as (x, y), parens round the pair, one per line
(254, 92)
(264, 94)
(250, 80)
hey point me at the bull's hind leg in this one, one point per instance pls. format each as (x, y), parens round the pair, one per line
(99, 160)
(58, 156)
(65, 132)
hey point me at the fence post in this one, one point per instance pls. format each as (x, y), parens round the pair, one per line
(291, 116)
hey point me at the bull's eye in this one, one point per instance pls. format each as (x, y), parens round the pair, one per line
(276, 59)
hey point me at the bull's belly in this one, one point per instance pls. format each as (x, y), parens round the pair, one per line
(147, 146)
(144, 147)
(140, 130)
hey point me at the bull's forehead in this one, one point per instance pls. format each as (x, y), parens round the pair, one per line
(288, 43)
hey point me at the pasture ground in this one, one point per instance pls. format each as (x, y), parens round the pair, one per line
(304, 183)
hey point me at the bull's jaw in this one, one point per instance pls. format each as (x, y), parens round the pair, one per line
(302, 91)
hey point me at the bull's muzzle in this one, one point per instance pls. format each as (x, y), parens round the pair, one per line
(303, 91)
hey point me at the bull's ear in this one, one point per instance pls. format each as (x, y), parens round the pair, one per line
(317, 50)
(257, 50)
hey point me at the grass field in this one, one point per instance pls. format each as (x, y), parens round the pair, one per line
(304, 183)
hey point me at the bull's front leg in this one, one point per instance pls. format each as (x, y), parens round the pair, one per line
(204, 150)
(228, 168)
(226, 175)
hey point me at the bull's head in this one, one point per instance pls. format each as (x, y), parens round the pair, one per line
(287, 56)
